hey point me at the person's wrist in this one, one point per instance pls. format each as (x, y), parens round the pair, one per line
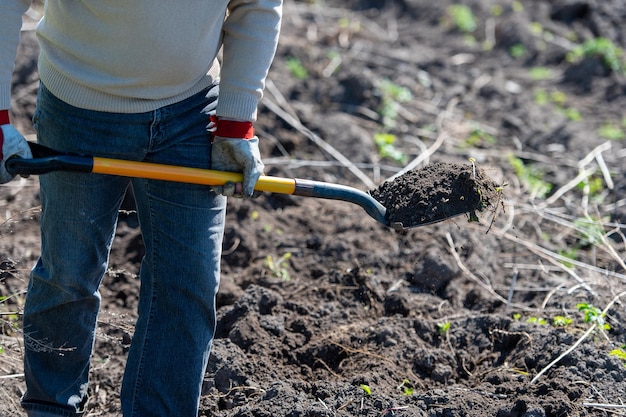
(4, 117)
(228, 128)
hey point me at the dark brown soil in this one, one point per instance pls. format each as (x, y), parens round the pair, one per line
(325, 312)
(437, 192)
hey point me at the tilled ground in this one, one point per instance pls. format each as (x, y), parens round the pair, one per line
(325, 312)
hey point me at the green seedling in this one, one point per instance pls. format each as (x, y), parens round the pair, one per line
(268, 228)
(406, 387)
(569, 253)
(593, 315)
(572, 114)
(541, 97)
(366, 389)
(537, 320)
(619, 353)
(443, 328)
(473, 162)
(611, 131)
(496, 10)
(591, 231)
(296, 68)
(392, 96)
(517, 51)
(540, 73)
(561, 321)
(536, 28)
(531, 177)
(386, 149)
(278, 268)
(594, 184)
(461, 18)
(611, 55)
(479, 137)
(394, 91)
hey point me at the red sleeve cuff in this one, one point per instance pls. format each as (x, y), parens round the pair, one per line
(4, 117)
(233, 129)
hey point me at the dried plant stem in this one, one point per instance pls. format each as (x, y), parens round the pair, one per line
(596, 154)
(607, 406)
(294, 122)
(474, 278)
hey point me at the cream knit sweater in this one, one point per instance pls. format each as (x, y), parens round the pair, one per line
(135, 56)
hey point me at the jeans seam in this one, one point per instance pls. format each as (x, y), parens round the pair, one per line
(146, 335)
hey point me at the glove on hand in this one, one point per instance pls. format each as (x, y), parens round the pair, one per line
(236, 149)
(12, 143)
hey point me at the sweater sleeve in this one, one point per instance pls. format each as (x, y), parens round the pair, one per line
(11, 12)
(251, 32)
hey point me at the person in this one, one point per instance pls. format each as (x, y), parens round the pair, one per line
(136, 80)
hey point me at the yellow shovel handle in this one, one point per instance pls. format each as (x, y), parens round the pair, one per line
(189, 175)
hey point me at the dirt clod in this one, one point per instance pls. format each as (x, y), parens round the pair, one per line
(437, 192)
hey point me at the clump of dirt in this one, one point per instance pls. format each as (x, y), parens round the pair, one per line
(437, 192)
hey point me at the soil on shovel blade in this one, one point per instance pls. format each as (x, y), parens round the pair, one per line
(325, 312)
(437, 192)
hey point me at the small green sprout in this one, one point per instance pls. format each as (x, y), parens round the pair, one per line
(593, 315)
(442, 328)
(572, 114)
(517, 51)
(530, 177)
(540, 73)
(569, 253)
(406, 387)
(461, 18)
(392, 96)
(619, 353)
(537, 320)
(473, 161)
(277, 267)
(366, 389)
(385, 144)
(611, 131)
(479, 137)
(611, 55)
(518, 6)
(561, 321)
(536, 28)
(590, 230)
(595, 184)
(296, 68)
(496, 10)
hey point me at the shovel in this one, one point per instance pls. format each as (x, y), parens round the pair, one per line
(46, 160)
(438, 192)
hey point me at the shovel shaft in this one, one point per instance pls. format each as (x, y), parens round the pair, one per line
(291, 186)
(48, 160)
(319, 189)
(188, 175)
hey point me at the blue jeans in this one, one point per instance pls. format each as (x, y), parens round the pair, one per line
(182, 227)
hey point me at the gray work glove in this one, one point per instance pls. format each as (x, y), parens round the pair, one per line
(12, 143)
(237, 155)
